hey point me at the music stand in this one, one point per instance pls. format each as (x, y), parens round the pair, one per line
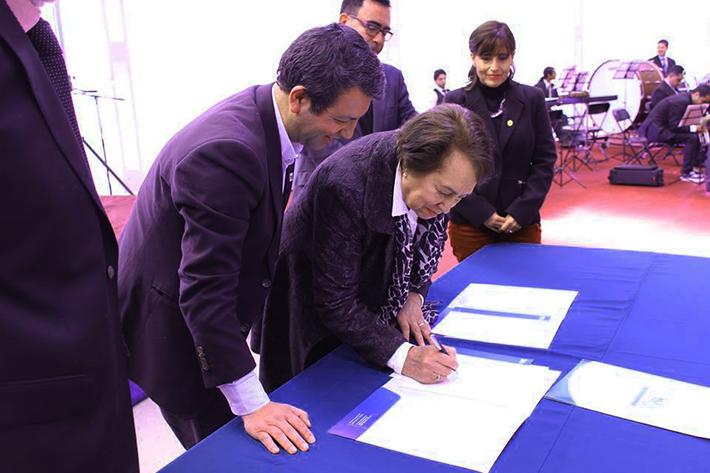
(567, 78)
(102, 159)
(693, 115)
(580, 81)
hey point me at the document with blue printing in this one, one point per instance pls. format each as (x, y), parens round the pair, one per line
(634, 395)
(506, 315)
(465, 421)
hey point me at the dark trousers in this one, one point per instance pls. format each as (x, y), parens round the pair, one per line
(190, 430)
(691, 150)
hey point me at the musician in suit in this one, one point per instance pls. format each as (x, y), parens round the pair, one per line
(440, 90)
(360, 245)
(505, 207)
(64, 399)
(545, 83)
(370, 18)
(662, 125)
(663, 62)
(198, 251)
(668, 86)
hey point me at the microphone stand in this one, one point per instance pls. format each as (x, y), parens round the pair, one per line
(103, 158)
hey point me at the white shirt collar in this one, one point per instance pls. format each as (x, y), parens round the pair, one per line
(289, 149)
(399, 206)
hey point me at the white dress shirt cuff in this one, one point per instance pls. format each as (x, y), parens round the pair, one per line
(245, 395)
(396, 362)
(693, 128)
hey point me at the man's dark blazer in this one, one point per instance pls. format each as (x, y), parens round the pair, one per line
(541, 85)
(524, 158)
(661, 92)
(657, 61)
(198, 252)
(661, 125)
(335, 264)
(64, 399)
(389, 113)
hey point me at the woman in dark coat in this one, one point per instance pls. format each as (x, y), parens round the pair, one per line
(360, 245)
(506, 207)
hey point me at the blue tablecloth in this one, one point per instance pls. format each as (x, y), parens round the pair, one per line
(643, 311)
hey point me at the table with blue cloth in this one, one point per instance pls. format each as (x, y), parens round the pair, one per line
(644, 311)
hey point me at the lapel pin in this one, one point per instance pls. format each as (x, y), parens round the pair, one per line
(509, 123)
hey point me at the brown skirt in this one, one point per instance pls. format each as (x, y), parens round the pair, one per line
(466, 240)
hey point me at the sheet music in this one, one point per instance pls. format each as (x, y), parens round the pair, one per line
(508, 315)
(461, 424)
(637, 396)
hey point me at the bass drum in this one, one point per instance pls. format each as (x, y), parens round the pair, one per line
(632, 93)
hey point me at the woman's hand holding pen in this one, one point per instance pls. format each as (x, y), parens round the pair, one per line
(429, 365)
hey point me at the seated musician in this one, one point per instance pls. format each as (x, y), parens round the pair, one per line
(668, 86)
(545, 83)
(662, 125)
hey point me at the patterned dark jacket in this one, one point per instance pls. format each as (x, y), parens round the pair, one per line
(335, 265)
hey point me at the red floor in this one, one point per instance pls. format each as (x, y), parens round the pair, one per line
(670, 219)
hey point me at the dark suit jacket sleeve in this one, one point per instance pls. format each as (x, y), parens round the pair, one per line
(666, 118)
(525, 208)
(404, 105)
(215, 197)
(338, 248)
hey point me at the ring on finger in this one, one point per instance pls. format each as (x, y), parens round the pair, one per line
(422, 323)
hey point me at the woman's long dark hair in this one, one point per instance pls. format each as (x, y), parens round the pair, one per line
(489, 38)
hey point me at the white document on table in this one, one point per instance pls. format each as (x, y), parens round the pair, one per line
(507, 315)
(634, 395)
(466, 421)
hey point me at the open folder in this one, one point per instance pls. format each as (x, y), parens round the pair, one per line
(506, 315)
(634, 395)
(465, 421)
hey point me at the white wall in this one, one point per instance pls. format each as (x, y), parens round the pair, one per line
(173, 59)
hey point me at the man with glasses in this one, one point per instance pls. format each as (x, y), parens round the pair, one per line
(370, 18)
(197, 255)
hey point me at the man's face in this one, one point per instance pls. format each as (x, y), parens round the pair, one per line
(371, 13)
(661, 48)
(675, 79)
(441, 81)
(316, 131)
(698, 99)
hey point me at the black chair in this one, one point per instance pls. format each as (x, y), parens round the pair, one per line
(596, 135)
(638, 145)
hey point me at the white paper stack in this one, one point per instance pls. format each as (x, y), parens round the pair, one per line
(507, 315)
(466, 421)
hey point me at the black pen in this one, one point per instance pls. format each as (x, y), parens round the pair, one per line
(440, 347)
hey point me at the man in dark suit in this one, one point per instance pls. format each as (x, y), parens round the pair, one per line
(198, 252)
(668, 86)
(370, 18)
(64, 399)
(663, 62)
(662, 125)
(440, 90)
(545, 83)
